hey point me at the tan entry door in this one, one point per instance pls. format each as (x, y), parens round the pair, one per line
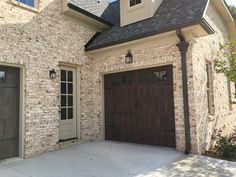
(68, 103)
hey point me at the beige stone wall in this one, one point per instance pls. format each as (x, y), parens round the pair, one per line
(205, 49)
(38, 42)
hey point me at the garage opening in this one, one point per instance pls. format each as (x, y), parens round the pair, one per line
(139, 106)
(9, 112)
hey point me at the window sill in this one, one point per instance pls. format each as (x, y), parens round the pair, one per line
(24, 6)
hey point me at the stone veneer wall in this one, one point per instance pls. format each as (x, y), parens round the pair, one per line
(205, 49)
(38, 41)
(145, 58)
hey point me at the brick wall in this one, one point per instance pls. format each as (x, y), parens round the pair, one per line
(40, 41)
(205, 49)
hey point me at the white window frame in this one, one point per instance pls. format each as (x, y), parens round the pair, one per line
(136, 5)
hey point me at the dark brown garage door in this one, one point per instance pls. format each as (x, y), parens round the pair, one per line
(9, 112)
(139, 106)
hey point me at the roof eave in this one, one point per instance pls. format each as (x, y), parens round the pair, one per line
(224, 10)
(205, 25)
(90, 15)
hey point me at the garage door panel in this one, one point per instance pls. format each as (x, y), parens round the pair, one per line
(139, 106)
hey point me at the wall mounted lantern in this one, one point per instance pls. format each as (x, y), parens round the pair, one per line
(129, 57)
(52, 74)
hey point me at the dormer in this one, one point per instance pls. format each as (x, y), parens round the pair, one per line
(132, 11)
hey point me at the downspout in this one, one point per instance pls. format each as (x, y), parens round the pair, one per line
(183, 48)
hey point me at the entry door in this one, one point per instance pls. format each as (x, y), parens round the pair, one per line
(9, 112)
(68, 103)
(139, 106)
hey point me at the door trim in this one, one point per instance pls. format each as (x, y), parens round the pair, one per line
(21, 147)
(76, 98)
(22, 118)
(78, 81)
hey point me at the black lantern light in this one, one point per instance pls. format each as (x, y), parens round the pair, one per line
(129, 57)
(52, 74)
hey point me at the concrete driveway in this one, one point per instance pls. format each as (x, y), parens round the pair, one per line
(116, 159)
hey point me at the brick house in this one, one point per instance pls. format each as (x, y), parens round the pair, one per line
(135, 71)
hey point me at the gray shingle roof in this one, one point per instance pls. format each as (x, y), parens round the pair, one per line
(171, 15)
(96, 7)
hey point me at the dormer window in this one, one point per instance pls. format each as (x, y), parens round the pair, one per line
(134, 2)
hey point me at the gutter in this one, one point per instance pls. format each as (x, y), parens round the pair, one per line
(84, 12)
(183, 48)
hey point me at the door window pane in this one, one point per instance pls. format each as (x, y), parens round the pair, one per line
(70, 88)
(70, 76)
(161, 75)
(63, 114)
(63, 88)
(63, 101)
(70, 100)
(153, 76)
(70, 113)
(63, 75)
(147, 76)
(122, 80)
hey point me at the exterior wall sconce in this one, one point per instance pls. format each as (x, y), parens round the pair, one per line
(52, 74)
(129, 57)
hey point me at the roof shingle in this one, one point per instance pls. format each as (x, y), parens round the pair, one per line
(170, 15)
(92, 6)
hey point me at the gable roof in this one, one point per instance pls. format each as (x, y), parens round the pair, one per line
(172, 14)
(100, 8)
(94, 9)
